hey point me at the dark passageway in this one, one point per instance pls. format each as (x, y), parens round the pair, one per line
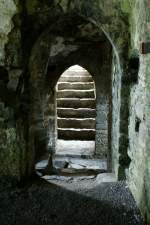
(74, 154)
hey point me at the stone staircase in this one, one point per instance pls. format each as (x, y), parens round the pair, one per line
(75, 96)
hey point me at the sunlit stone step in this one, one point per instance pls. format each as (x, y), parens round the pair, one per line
(75, 85)
(75, 148)
(76, 94)
(76, 79)
(76, 113)
(72, 73)
(88, 123)
(76, 134)
(76, 103)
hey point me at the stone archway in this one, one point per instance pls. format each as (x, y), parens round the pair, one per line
(46, 65)
(84, 61)
(75, 114)
(34, 30)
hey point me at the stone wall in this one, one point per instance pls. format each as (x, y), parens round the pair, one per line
(116, 102)
(8, 10)
(12, 152)
(12, 143)
(139, 126)
(103, 102)
(101, 139)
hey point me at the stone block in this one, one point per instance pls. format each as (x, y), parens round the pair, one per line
(76, 123)
(76, 113)
(76, 94)
(76, 103)
(76, 134)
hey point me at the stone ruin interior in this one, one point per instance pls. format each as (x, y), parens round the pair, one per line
(81, 125)
(75, 112)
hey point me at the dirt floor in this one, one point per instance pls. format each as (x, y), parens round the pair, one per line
(77, 200)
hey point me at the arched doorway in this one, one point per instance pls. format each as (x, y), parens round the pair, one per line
(76, 113)
(81, 123)
(93, 52)
(80, 120)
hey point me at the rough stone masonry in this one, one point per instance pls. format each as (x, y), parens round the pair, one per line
(39, 40)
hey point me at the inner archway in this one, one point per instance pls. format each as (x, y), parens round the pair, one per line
(76, 113)
(95, 55)
(81, 123)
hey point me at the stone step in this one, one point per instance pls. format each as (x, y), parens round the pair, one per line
(75, 94)
(76, 113)
(76, 79)
(71, 73)
(76, 103)
(88, 123)
(76, 134)
(75, 85)
(75, 148)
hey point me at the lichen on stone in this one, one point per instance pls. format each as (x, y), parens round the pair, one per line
(8, 10)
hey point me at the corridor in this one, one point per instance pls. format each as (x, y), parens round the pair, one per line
(74, 112)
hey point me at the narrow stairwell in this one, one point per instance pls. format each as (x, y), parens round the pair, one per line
(75, 98)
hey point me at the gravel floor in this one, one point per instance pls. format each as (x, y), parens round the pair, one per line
(66, 203)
